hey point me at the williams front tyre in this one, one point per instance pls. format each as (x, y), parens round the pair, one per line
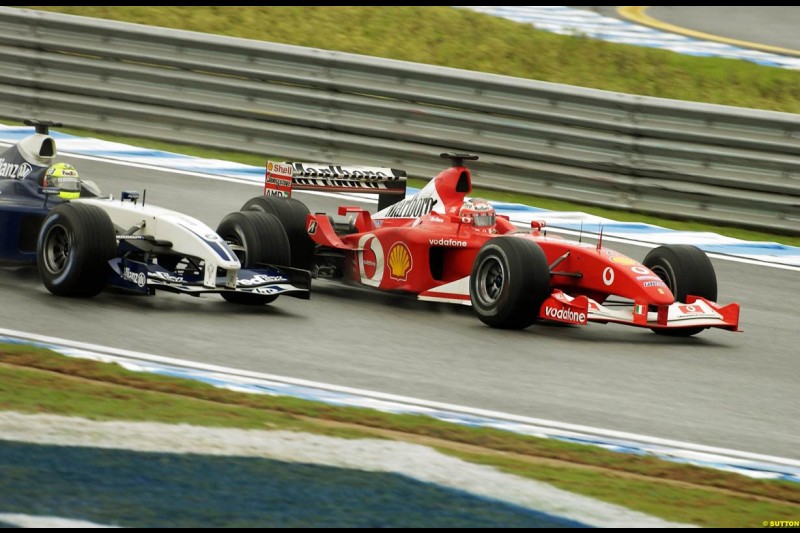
(255, 237)
(75, 243)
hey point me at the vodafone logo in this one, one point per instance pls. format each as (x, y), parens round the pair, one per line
(370, 260)
(565, 315)
(447, 242)
(696, 311)
(608, 276)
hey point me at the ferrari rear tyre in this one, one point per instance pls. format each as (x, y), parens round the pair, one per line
(75, 243)
(686, 270)
(255, 237)
(292, 214)
(510, 280)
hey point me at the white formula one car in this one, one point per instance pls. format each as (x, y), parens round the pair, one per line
(83, 242)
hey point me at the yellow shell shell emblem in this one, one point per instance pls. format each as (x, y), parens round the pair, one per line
(399, 261)
(623, 260)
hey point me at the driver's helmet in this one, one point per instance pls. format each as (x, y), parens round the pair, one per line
(63, 176)
(478, 212)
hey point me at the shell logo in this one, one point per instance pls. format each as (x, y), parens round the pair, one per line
(399, 261)
(623, 260)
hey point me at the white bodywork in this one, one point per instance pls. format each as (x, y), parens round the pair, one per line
(188, 235)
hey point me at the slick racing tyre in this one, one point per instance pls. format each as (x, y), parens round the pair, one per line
(686, 270)
(75, 243)
(510, 280)
(255, 237)
(292, 214)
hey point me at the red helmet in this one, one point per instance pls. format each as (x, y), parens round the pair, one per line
(478, 212)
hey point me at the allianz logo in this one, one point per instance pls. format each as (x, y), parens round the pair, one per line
(14, 170)
(139, 278)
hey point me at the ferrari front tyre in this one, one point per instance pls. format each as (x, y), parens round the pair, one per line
(255, 237)
(686, 270)
(75, 243)
(292, 214)
(510, 280)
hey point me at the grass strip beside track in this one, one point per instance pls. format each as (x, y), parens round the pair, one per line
(460, 38)
(464, 39)
(524, 199)
(38, 381)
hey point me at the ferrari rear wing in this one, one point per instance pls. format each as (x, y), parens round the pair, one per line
(388, 183)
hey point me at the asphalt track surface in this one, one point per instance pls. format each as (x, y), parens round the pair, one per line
(767, 25)
(732, 390)
(770, 25)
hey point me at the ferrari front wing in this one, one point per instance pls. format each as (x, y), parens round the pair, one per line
(695, 312)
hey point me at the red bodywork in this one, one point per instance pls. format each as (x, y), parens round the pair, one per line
(421, 246)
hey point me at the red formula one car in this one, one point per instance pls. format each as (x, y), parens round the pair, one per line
(441, 245)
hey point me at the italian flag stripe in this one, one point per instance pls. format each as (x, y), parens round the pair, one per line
(638, 309)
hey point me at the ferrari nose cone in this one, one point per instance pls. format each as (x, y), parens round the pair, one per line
(659, 293)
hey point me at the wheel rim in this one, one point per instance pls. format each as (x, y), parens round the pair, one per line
(236, 244)
(57, 247)
(666, 276)
(490, 281)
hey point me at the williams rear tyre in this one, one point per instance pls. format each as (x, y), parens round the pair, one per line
(686, 270)
(255, 237)
(292, 214)
(510, 280)
(75, 243)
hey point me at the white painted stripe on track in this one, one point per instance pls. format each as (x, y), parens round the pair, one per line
(567, 20)
(416, 461)
(47, 522)
(204, 175)
(747, 463)
(645, 244)
(771, 255)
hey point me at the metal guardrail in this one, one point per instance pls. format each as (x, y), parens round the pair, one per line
(707, 162)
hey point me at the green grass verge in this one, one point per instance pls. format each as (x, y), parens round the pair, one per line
(463, 39)
(441, 35)
(686, 504)
(525, 199)
(35, 380)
